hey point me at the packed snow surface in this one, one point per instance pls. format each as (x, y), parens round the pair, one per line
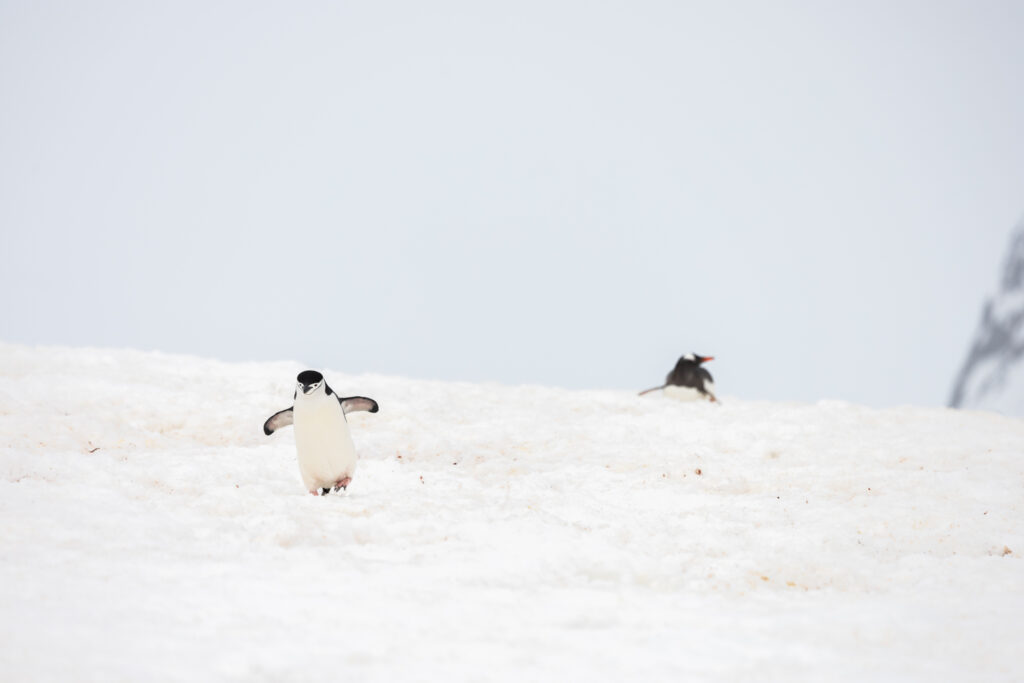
(150, 531)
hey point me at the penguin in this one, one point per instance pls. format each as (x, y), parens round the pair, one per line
(326, 454)
(688, 380)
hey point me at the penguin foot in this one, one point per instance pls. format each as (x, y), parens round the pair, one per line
(325, 491)
(342, 484)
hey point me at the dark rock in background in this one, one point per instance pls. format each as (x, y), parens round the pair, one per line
(992, 378)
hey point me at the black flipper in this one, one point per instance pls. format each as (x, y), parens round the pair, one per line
(278, 420)
(354, 404)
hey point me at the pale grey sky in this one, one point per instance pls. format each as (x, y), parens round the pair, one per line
(568, 193)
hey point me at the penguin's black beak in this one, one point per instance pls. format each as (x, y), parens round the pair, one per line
(309, 388)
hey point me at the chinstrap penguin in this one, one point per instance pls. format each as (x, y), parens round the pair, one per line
(326, 454)
(688, 380)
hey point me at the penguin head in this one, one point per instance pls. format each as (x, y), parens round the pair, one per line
(309, 381)
(696, 358)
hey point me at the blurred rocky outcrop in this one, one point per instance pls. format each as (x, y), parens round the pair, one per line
(992, 377)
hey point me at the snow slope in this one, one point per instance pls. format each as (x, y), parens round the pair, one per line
(150, 531)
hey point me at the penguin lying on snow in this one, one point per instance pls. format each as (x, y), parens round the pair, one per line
(327, 456)
(688, 380)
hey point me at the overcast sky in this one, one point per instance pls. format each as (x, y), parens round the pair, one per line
(566, 193)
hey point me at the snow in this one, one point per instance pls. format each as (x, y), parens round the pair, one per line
(152, 532)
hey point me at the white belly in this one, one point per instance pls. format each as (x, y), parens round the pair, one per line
(688, 393)
(325, 450)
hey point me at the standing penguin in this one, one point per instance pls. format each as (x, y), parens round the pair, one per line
(688, 380)
(327, 456)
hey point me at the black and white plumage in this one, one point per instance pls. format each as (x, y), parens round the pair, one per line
(326, 454)
(688, 380)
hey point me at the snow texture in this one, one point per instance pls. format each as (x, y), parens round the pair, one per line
(150, 531)
(992, 377)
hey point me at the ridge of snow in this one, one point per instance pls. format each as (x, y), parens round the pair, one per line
(151, 531)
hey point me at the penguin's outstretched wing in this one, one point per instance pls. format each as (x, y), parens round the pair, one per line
(707, 384)
(353, 404)
(278, 420)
